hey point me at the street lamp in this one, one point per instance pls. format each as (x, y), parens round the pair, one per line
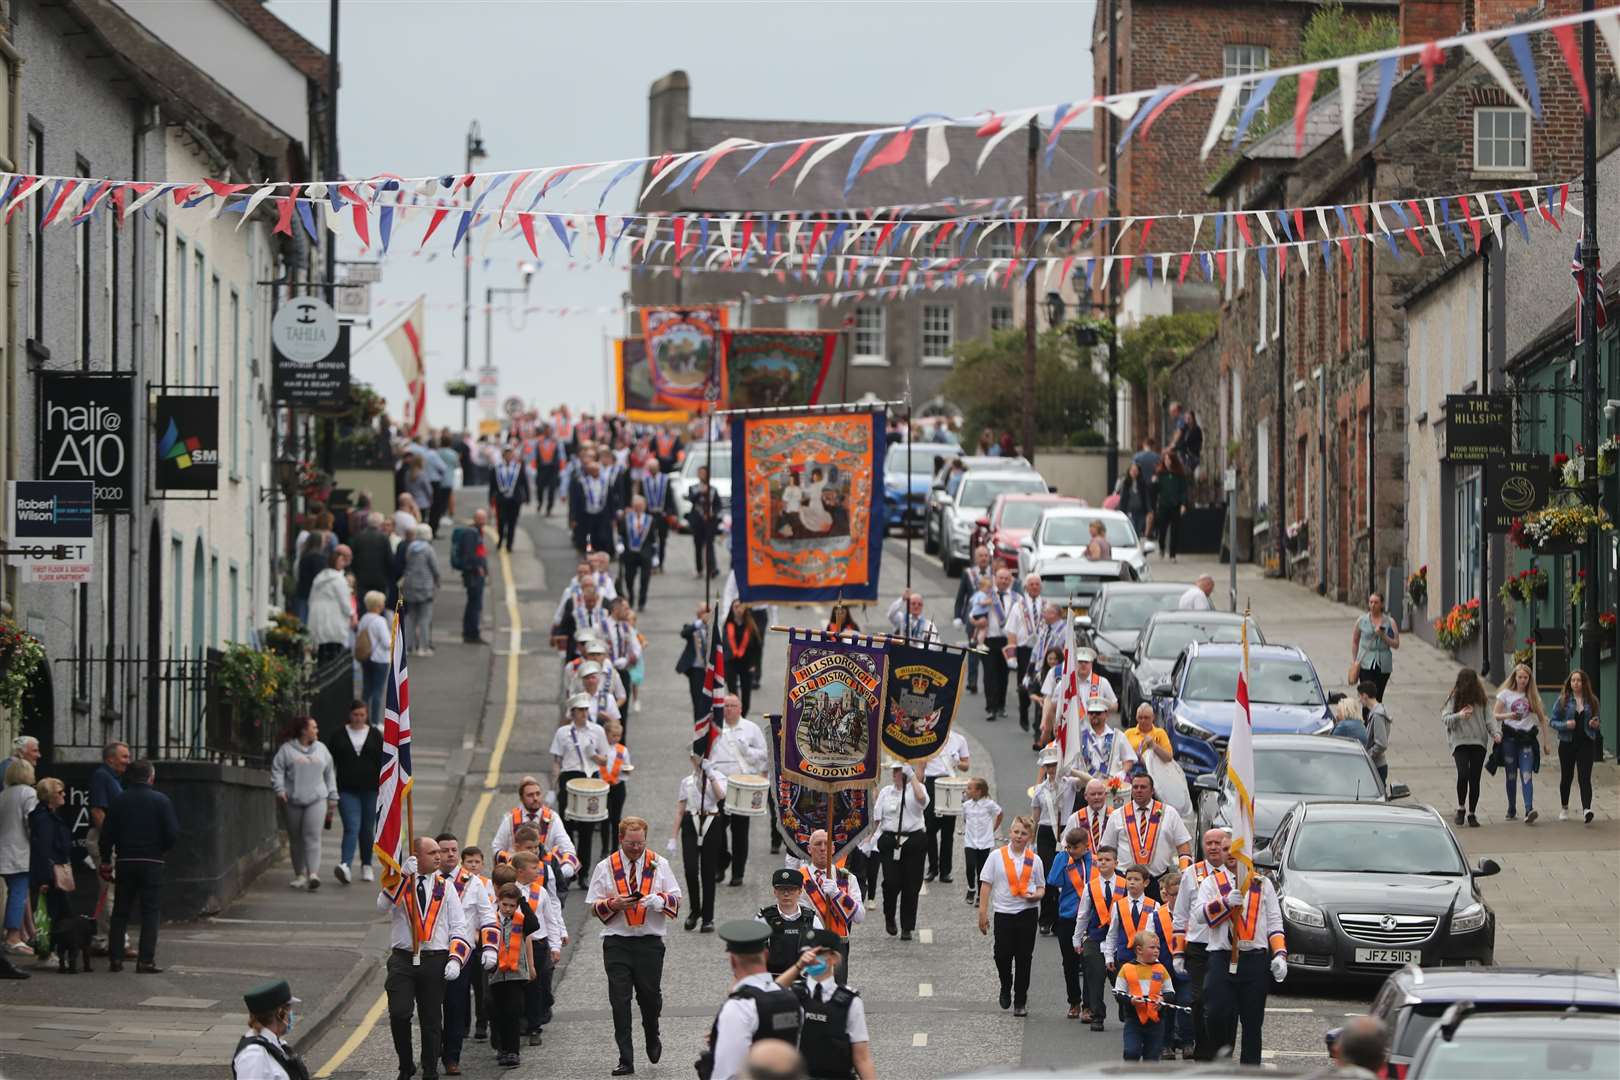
(527, 270)
(475, 153)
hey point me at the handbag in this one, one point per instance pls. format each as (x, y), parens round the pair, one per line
(63, 875)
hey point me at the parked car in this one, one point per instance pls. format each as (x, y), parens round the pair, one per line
(1289, 770)
(685, 478)
(977, 490)
(1115, 619)
(1009, 520)
(1508, 1046)
(1368, 887)
(945, 484)
(908, 475)
(1413, 999)
(1076, 583)
(1066, 531)
(1150, 656)
(1197, 705)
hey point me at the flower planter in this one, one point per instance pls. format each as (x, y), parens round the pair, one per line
(1555, 548)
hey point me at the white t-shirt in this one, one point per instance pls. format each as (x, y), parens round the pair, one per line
(578, 747)
(1193, 600)
(376, 628)
(979, 823)
(994, 874)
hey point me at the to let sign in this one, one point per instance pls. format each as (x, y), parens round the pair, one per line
(1478, 427)
(1515, 484)
(52, 530)
(86, 423)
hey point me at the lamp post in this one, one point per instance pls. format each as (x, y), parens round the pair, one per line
(475, 153)
(1085, 335)
(527, 269)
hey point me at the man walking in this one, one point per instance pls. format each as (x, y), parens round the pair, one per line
(1192, 932)
(1196, 598)
(471, 557)
(1150, 833)
(1024, 624)
(741, 748)
(372, 557)
(660, 500)
(549, 456)
(951, 759)
(634, 893)
(139, 831)
(997, 666)
(961, 613)
(637, 552)
(589, 509)
(429, 944)
(508, 490)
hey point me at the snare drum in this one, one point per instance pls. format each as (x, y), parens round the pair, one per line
(587, 799)
(745, 795)
(949, 791)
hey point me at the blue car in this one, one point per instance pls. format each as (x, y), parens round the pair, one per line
(1198, 704)
(908, 477)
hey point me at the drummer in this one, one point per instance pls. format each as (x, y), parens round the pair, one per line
(533, 811)
(579, 750)
(739, 751)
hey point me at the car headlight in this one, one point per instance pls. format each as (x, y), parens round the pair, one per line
(1298, 911)
(962, 529)
(1469, 918)
(1323, 728)
(1186, 727)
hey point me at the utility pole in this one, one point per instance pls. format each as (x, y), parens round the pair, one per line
(1029, 293)
(475, 152)
(1110, 120)
(1597, 571)
(327, 425)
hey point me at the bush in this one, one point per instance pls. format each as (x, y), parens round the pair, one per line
(989, 373)
(1088, 437)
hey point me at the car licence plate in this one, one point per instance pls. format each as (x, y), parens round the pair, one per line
(1389, 956)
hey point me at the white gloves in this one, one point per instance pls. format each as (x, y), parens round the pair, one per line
(957, 623)
(1279, 968)
(670, 847)
(410, 865)
(452, 970)
(1180, 964)
(489, 960)
(653, 902)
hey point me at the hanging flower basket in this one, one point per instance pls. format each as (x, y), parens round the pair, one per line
(20, 655)
(1560, 530)
(1608, 455)
(1417, 587)
(1458, 626)
(1525, 586)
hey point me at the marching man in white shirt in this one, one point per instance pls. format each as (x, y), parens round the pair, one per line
(1104, 750)
(579, 749)
(479, 908)
(739, 749)
(1149, 833)
(1024, 625)
(902, 847)
(1091, 815)
(429, 944)
(634, 893)
(594, 685)
(833, 894)
(1253, 920)
(532, 810)
(1192, 931)
(1094, 689)
(951, 759)
(907, 618)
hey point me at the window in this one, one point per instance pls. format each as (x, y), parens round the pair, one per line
(1260, 332)
(1277, 262)
(236, 603)
(1237, 403)
(213, 344)
(1262, 464)
(213, 600)
(238, 384)
(36, 242)
(802, 315)
(871, 346)
(1001, 316)
(938, 333)
(1244, 60)
(866, 242)
(1465, 540)
(199, 346)
(181, 310)
(1501, 140)
(1000, 244)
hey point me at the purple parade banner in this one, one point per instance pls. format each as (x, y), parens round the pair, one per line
(846, 814)
(836, 688)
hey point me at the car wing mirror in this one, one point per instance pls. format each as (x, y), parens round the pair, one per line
(1205, 782)
(1399, 791)
(1265, 860)
(1164, 691)
(1487, 868)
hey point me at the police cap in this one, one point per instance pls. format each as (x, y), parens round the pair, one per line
(786, 879)
(268, 997)
(745, 936)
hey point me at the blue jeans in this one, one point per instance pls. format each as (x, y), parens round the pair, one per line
(358, 809)
(374, 681)
(1143, 1042)
(1519, 762)
(16, 899)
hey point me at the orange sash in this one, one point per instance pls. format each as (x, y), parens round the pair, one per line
(548, 451)
(424, 924)
(636, 913)
(1101, 902)
(1152, 911)
(1018, 883)
(544, 824)
(832, 919)
(615, 763)
(512, 949)
(1246, 920)
(1140, 849)
(1146, 982)
(1074, 879)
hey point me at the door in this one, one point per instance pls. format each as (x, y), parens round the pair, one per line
(1342, 587)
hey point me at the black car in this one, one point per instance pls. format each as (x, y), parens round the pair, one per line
(1467, 1045)
(1161, 642)
(1413, 999)
(1288, 770)
(1368, 887)
(1115, 619)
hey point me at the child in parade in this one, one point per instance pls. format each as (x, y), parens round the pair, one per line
(1143, 987)
(981, 818)
(514, 972)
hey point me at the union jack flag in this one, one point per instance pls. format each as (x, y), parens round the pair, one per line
(1067, 721)
(1577, 270)
(394, 781)
(706, 725)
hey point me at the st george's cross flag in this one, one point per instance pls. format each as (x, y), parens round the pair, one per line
(706, 725)
(1067, 723)
(1240, 770)
(394, 781)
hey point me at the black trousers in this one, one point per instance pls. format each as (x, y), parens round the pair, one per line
(701, 863)
(661, 526)
(1046, 848)
(634, 567)
(941, 834)
(1233, 998)
(1094, 973)
(1379, 677)
(1063, 930)
(545, 487)
(441, 503)
(480, 995)
(902, 877)
(634, 964)
(740, 681)
(537, 993)
(1015, 946)
(694, 686)
(1167, 523)
(974, 858)
(1575, 761)
(1023, 691)
(506, 1014)
(1470, 762)
(615, 809)
(458, 1011)
(995, 675)
(506, 520)
(579, 831)
(734, 850)
(416, 988)
(591, 530)
(703, 548)
(138, 882)
(1197, 966)
(864, 866)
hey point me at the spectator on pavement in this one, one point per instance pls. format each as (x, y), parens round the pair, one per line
(25, 748)
(312, 559)
(305, 782)
(331, 606)
(1136, 498)
(17, 801)
(1170, 485)
(419, 584)
(1524, 737)
(1471, 730)
(357, 755)
(473, 560)
(50, 849)
(1148, 735)
(1378, 724)
(372, 642)
(407, 515)
(1190, 447)
(372, 559)
(419, 483)
(141, 830)
(1575, 719)
(1348, 723)
(1197, 597)
(1373, 643)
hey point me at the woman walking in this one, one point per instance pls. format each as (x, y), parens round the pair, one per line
(1135, 498)
(419, 584)
(1017, 880)
(51, 854)
(742, 650)
(331, 606)
(372, 642)
(357, 756)
(1575, 719)
(17, 801)
(1471, 730)
(1524, 737)
(305, 782)
(311, 561)
(1170, 480)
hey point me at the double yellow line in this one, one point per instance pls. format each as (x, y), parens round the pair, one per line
(475, 827)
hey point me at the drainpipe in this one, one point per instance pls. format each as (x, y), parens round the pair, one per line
(12, 450)
(1370, 169)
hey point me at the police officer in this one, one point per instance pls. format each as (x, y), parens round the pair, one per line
(756, 1008)
(791, 924)
(833, 1039)
(261, 1054)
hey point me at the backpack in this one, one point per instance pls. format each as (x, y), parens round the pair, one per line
(464, 537)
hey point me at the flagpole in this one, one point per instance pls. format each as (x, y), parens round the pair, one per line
(1245, 807)
(410, 808)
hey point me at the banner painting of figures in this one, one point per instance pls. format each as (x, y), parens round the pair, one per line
(638, 398)
(801, 810)
(834, 703)
(682, 352)
(773, 368)
(925, 688)
(807, 525)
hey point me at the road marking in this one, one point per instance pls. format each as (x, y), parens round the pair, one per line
(919, 1038)
(1300, 1010)
(924, 890)
(925, 936)
(356, 1037)
(925, 989)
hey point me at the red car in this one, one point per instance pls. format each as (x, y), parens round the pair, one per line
(1009, 520)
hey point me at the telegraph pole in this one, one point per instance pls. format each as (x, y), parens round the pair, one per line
(1593, 597)
(1029, 294)
(1111, 135)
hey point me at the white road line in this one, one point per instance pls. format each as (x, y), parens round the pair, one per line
(924, 890)
(925, 936)
(925, 989)
(1301, 1010)
(919, 1038)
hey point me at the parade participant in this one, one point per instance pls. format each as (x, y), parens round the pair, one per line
(1047, 826)
(791, 923)
(263, 1053)
(585, 612)
(549, 457)
(1196, 598)
(472, 861)
(429, 944)
(579, 749)
(907, 618)
(1178, 1029)
(1024, 628)
(981, 817)
(597, 651)
(583, 572)
(740, 748)
(634, 893)
(479, 910)
(508, 491)
(1252, 918)
(700, 824)
(589, 507)
(667, 449)
(623, 645)
(1191, 932)
(514, 972)
(833, 1038)
(1104, 751)
(533, 877)
(755, 1008)
(1094, 691)
(833, 894)
(841, 620)
(997, 669)
(1017, 880)
(1524, 737)
(740, 639)
(704, 522)
(636, 551)
(618, 761)
(1134, 912)
(1142, 986)
(547, 823)
(1149, 832)
(601, 563)
(660, 503)
(1091, 922)
(902, 847)
(1091, 815)
(966, 586)
(1070, 871)
(601, 705)
(695, 657)
(951, 759)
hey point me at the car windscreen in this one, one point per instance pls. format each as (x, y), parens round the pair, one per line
(1076, 532)
(1167, 639)
(1023, 513)
(719, 466)
(1302, 772)
(1375, 847)
(1132, 610)
(921, 459)
(1502, 1055)
(981, 492)
(1273, 680)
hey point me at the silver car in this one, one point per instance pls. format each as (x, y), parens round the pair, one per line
(971, 500)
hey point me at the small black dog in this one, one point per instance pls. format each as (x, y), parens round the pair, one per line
(71, 939)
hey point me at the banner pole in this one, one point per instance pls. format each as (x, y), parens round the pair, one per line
(910, 439)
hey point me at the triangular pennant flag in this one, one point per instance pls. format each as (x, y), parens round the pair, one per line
(1256, 101)
(1302, 105)
(1224, 105)
(1347, 104)
(1570, 51)
(1486, 58)
(1013, 124)
(858, 161)
(938, 153)
(822, 154)
(1386, 82)
(1432, 224)
(1519, 45)
(525, 222)
(1265, 223)
(629, 168)
(663, 168)
(1140, 115)
(793, 159)
(253, 202)
(1608, 24)
(1494, 220)
(1198, 226)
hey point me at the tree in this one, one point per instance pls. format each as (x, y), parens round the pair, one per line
(988, 379)
(1149, 350)
(1331, 33)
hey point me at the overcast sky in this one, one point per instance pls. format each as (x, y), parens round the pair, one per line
(558, 83)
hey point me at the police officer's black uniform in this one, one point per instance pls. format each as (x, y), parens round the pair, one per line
(789, 935)
(777, 1011)
(824, 1040)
